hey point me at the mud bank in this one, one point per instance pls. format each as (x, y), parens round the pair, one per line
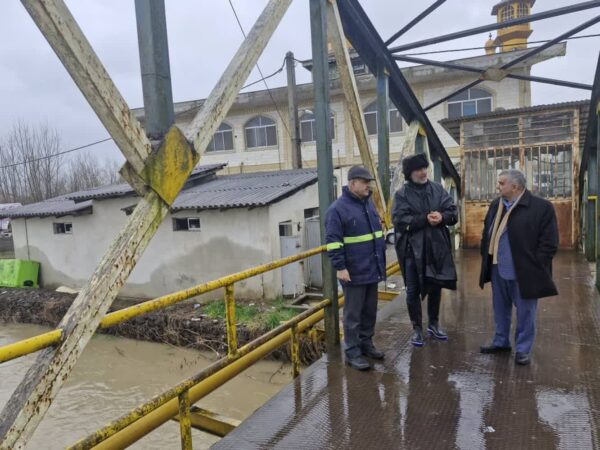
(184, 325)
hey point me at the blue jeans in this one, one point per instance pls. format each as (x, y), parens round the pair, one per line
(505, 294)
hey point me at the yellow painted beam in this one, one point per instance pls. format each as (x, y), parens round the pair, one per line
(387, 296)
(211, 422)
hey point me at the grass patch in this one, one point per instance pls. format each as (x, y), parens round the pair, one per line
(268, 315)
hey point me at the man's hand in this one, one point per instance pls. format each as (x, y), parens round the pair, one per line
(343, 275)
(434, 218)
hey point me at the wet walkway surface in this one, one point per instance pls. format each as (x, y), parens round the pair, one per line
(447, 395)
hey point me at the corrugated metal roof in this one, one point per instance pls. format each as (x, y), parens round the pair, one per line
(224, 192)
(245, 190)
(124, 189)
(452, 126)
(58, 206)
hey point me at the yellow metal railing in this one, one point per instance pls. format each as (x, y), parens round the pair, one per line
(39, 342)
(147, 417)
(177, 401)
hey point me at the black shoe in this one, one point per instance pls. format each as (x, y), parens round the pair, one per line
(372, 352)
(358, 363)
(494, 349)
(417, 338)
(522, 359)
(437, 333)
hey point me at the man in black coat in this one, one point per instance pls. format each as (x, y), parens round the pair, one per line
(422, 212)
(520, 238)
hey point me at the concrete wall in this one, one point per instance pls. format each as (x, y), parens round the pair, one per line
(229, 241)
(292, 209)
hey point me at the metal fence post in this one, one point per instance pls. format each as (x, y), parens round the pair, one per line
(232, 341)
(295, 350)
(185, 421)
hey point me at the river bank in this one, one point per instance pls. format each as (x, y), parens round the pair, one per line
(191, 325)
(114, 375)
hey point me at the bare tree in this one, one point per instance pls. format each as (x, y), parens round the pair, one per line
(86, 170)
(33, 168)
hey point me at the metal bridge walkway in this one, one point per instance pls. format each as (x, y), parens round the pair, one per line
(448, 395)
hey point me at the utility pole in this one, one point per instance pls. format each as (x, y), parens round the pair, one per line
(154, 62)
(293, 111)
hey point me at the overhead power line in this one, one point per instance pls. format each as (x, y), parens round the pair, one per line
(56, 154)
(263, 79)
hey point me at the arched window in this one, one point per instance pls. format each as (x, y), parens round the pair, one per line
(468, 103)
(308, 133)
(222, 139)
(507, 13)
(394, 119)
(260, 132)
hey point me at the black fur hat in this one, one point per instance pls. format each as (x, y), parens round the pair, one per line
(412, 163)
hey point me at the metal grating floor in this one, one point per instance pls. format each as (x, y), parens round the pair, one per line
(448, 395)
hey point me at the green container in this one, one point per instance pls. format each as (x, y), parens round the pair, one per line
(19, 273)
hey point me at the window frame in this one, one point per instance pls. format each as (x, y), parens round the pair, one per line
(66, 227)
(222, 133)
(312, 127)
(260, 127)
(371, 108)
(179, 221)
(469, 99)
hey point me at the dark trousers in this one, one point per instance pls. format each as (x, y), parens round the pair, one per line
(360, 314)
(413, 297)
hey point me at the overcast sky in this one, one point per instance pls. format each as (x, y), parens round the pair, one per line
(203, 36)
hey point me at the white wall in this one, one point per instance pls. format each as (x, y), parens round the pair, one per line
(229, 241)
(506, 94)
(292, 209)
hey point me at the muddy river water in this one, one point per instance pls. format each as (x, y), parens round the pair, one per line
(114, 375)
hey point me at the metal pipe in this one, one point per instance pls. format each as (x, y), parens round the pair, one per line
(185, 421)
(320, 71)
(147, 417)
(383, 130)
(31, 345)
(452, 94)
(520, 59)
(154, 63)
(415, 21)
(295, 351)
(218, 369)
(232, 341)
(496, 26)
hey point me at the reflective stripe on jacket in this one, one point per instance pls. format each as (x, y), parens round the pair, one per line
(355, 238)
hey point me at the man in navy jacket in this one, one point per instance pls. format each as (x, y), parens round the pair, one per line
(356, 247)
